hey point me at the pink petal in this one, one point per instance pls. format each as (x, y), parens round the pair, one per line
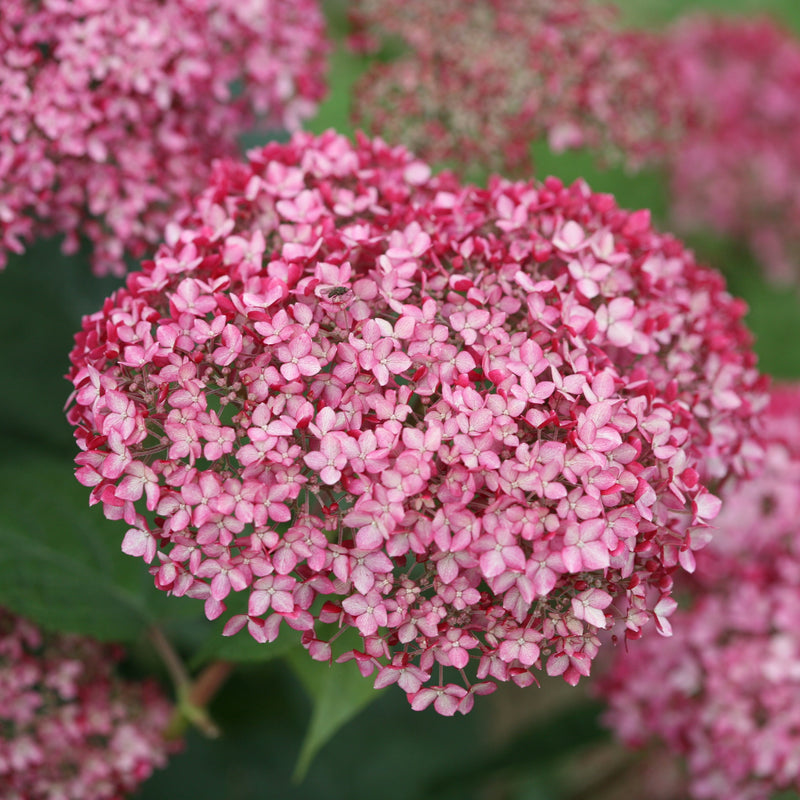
(138, 542)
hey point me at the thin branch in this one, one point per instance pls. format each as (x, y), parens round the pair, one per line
(177, 671)
(192, 695)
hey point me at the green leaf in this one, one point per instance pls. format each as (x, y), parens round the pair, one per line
(338, 692)
(537, 748)
(345, 67)
(60, 561)
(43, 296)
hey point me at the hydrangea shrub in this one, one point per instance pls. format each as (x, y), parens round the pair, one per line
(110, 113)
(729, 677)
(69, 728)
(475, 426)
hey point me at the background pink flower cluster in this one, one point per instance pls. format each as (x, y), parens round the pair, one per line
(111, 112)
(479, 82)
(723, 690)
(70, 727)
(735, 165)
(713, 101)
(473, 425)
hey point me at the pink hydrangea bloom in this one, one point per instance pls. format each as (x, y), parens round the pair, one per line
(723, 690)
(366, 396)
(734, 164)
(70, 728)
(714, 101)
(111, 112)
(482, 80)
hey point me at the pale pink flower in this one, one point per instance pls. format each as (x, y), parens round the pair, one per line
(722, 690)
(71, 727)
(710, 100)
(112, 113)
(458, 445)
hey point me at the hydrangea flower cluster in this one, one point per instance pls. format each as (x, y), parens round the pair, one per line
(69, 728)
(712, 100)
(111, 112)
(473, 425)
(482, 80)
(735, 165)
(728, 680)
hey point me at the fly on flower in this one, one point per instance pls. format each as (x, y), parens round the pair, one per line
(334, 294)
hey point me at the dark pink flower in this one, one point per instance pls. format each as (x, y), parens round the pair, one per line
(722, 690)
(111, 113)
(734, 164)
(450, 448)
(70, 727)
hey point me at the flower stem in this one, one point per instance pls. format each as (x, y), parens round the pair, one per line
(193, 696)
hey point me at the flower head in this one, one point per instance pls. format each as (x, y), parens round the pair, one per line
(71, 728)
(111, 113)
(723, 689)
(734, 164)
(459, 454)
(711, 100)
(480, 81)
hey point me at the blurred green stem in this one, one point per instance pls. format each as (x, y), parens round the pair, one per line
(193, 695)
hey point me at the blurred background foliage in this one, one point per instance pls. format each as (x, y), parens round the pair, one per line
(537, 744)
